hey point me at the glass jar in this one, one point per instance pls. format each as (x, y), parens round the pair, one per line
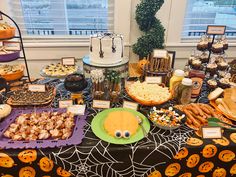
(185, 91)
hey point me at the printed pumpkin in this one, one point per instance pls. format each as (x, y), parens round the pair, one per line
(226, 155)
(233, 137)
(7, 175)
(200, 175)
(233, 170)
(6, 161)
(194, 142)
(27, 156)
(223, 141)
(186, 175)
(220, 172)
(27, 172)
(209, 151)
(206, 167)
(173, 169)
(62, 172)
(181, 154)
(155, 174)
(46, 164)
(193, 160)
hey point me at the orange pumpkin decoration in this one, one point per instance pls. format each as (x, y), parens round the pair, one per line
(7, 175)
(233, 137)
(46, 164)
(173, 169)
(206, 167)
(233, 170)
(209, 151)
(155, 174)
(6, 161)
(27, 172)
(223, 141)
(194, 142)
(193, 160)
(200, 175)
(220, 172)
(186, 175)
(27, 156)
(62, 172)
(181, 154)
(226, 155)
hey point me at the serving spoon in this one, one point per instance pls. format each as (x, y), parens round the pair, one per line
(140, 122)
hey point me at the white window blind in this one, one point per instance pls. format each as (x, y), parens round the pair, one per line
(63, 17)
(200, 13)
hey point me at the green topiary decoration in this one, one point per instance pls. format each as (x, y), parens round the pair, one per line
(154, 32)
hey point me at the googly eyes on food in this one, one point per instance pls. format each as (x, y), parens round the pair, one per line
(118, 134)
(126, 134)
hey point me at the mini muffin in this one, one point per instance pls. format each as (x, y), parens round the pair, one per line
(191, 58)
(224, 83)
(212, 84)
(204, 57)
(225, 45)
(217, 47)
(196, 64)
(202, 45)
(222, 66)
(211, 68)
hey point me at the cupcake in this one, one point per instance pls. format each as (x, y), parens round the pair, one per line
(211, 68)
(225, 45)
(196, 64)
(202, 45)
(204, 57)
(217, 47)
(212, 84)
(191, 58)
(222, 65)
(224, 83)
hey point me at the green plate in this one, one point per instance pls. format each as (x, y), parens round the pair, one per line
(99, 131)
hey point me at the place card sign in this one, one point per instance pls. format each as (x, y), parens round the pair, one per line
(12, 46)
(37, 88)
(69, 61)
(77, 109)
(211, 132)
(130, 105)
(65, 103)
(102, 104)
(154, 80)
(160, 53)
(216, 30)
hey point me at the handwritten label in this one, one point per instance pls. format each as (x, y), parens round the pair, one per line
(70, 61)
(211, 132)
(65, 103)
(154, 80)
(215, 29)
(77, 109)
(102, 104)
(130, 105)
(11, 46)
(160, 53)
(37, 88)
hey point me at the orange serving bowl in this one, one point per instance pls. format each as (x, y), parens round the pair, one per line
(7, 33)
(14, 76)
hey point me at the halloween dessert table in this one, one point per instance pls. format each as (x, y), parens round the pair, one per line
(163, 152)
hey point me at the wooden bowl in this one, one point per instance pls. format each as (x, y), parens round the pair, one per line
(8, 33)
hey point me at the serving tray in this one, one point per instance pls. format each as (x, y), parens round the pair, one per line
(75, 139)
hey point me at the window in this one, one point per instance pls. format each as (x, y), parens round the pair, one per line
(63, 17)
(200, 13)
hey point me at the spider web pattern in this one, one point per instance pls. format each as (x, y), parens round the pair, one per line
(96, 158)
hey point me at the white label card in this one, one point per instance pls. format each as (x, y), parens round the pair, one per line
(211, 132)
(77, 109)
(102, 104)
(217, 30)
(154, 80)
(12, 46)
(160, 53)
(37, 88)
(65, 103)
(130, 105)
(70, 61)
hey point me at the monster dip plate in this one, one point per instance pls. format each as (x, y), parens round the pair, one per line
(119, 126)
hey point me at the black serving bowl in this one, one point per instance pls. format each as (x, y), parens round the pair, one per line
(75, 82)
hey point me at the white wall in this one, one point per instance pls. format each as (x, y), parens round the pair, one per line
(40, 53)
